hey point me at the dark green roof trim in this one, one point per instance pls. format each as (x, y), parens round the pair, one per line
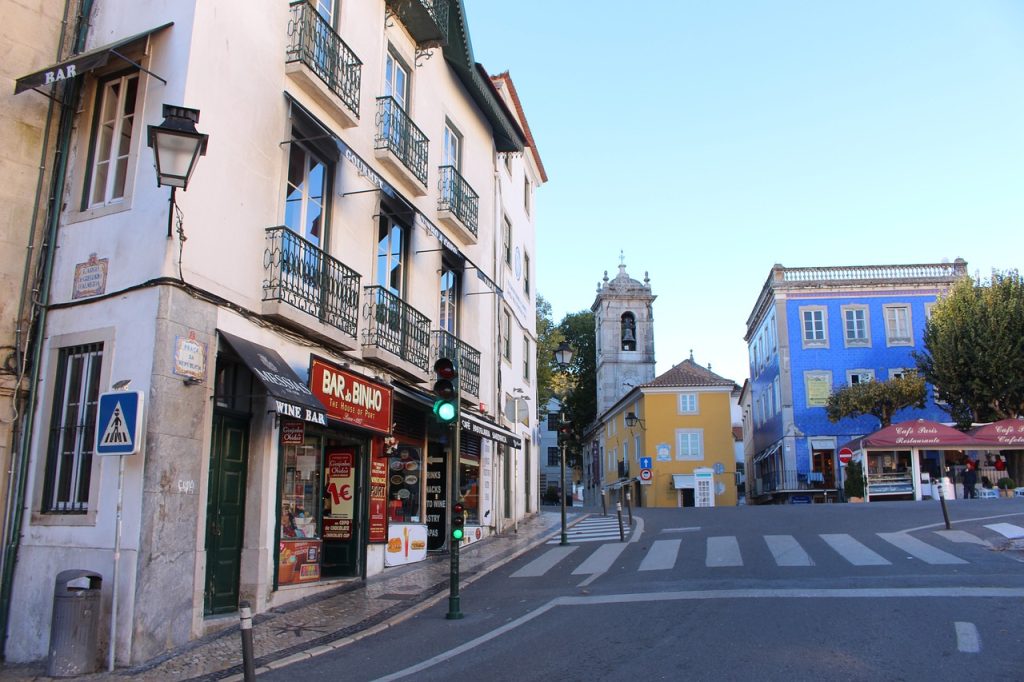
(458, 52)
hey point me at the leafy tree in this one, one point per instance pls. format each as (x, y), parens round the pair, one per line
(974, 349)
(853, 483)
(880, 399)
(580, 379)
(548, 338)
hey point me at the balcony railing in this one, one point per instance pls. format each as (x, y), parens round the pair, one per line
(458, 197)
(395, 326)
(301, 275)
(312, 41)
(426, 20)
(789, 480)
(449, 346)
(398, 134)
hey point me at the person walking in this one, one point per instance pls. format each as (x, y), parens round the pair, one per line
(970, 480)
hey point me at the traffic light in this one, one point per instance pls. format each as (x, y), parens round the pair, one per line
(458, 521)
(564, 432)
(445, 388)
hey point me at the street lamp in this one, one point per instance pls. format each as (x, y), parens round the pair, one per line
(563, 358)
(177, 146)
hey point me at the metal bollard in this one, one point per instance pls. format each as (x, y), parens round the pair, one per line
(622, 533)
(629, 507)
(245, 618)
(604, 503)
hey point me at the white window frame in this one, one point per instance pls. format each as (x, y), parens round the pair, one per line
(814, 376)
(814, 342)
(863, 376)
(694, 439)
(929, 308)
(894, 336)
(856, 342)
(526, 358)
(777, 389)
(897, 372)
(506, 237)
(506, 336)
(688, 403)
(114, 193)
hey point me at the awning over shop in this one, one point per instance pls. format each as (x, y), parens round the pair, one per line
(921, 434)
(681, 481)
(81, 63)
(490, 431)
(292, 397)
(1008, 433)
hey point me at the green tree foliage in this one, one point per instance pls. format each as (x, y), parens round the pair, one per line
(974, 349)
(853, 483)
(880, 399)
(548, 338)
(581, 377)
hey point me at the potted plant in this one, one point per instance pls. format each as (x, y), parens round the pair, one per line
(1006, 486)
(853, 483)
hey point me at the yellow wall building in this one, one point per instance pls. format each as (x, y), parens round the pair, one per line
(683, 425)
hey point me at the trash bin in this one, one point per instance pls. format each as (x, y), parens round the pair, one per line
(75, 623)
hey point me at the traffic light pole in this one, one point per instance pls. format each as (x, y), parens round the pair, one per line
(454, 612)
(564, 540)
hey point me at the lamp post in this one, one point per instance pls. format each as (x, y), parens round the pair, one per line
(563, 358)
(177, 146)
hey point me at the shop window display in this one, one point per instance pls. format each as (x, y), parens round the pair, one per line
(299, 550)
(404, 472)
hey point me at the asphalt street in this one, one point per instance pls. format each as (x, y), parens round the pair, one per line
(852, 592)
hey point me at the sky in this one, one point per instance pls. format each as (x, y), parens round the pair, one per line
(709, 140)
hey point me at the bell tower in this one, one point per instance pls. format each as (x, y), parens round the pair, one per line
(624, 322)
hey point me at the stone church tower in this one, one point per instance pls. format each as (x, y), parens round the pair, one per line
(624, 321)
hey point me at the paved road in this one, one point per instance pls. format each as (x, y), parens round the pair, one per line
(860, 592)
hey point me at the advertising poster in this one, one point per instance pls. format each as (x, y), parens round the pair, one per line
(339, 501)
(437, 525)
(298, 562)
(407, 544)
(378, 512)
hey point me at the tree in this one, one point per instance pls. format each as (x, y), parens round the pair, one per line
(880, 399)
(974, 349)
(548, 338)
(580, 402)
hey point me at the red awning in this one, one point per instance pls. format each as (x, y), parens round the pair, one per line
(1008, 432)
(923, 434)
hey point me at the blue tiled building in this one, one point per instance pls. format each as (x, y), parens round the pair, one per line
(813, 331)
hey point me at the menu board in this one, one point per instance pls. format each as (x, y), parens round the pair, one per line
(339, 502)
(378, 511)
(407, 543)
(437, 504)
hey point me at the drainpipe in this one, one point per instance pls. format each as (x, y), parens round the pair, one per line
(496, 268)
(15, 511)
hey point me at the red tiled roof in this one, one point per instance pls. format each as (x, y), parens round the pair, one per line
(689, 373)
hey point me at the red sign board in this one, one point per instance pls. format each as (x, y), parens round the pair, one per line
(378, 499)
(845, 455)
(646, 474)
(350, 398)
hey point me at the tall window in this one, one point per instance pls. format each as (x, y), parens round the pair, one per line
(554, 456)
(306, 192)
(72, 429)
(396, 81)
(687, 403)
(110, 147)
(526, 357)
(897, 325)
(526, 273)
(448, 314)
(527, 194)
(814, 321)
(390, 255)
(507, 241)
(689, 444)
(855, 325)
(506, 335)
(452, 151)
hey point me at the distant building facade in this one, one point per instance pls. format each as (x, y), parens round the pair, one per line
(811, 332)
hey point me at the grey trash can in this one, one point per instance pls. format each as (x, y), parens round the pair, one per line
(75, 623)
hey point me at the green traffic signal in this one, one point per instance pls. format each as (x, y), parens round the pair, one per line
(458, 521)
(445, 388)
(457, 534)
(444, 411)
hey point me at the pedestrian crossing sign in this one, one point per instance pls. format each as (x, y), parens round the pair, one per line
(118, 423)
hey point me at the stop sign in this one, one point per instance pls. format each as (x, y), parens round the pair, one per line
(845, 455)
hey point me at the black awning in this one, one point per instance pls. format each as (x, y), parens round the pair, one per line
(293, 398)
(78, 64)
(490, 431)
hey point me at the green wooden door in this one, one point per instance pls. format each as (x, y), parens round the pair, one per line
(225, 512)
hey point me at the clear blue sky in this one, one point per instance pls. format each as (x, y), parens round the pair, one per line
(709, 140)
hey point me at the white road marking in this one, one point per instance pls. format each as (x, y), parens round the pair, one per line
(1007, 530)
(680, 530)
(853, 551)
(961, 536)
(661, 556)
(787, 551)
(601, 559)
(723, 551)
(967, 639)
(921, 550)
(544, 563)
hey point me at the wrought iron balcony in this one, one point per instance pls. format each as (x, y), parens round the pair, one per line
(303, 276)
(396, 327)
(788, 480)
(426, 20)
(313, 42)
(458, 198)
(467, 358)
(399, 135)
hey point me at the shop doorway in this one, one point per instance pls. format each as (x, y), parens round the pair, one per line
(225, 512)
(342, 500)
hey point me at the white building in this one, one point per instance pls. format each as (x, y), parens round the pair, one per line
(364, 207)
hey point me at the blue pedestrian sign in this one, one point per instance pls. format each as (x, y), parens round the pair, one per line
(645, 463)
(118, 423)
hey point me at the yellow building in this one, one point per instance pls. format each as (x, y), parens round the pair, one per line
(680, 425)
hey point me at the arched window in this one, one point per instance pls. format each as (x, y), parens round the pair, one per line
(628, 323)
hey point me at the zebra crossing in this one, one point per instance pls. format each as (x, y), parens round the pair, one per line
(593, 529)
(725, 551)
